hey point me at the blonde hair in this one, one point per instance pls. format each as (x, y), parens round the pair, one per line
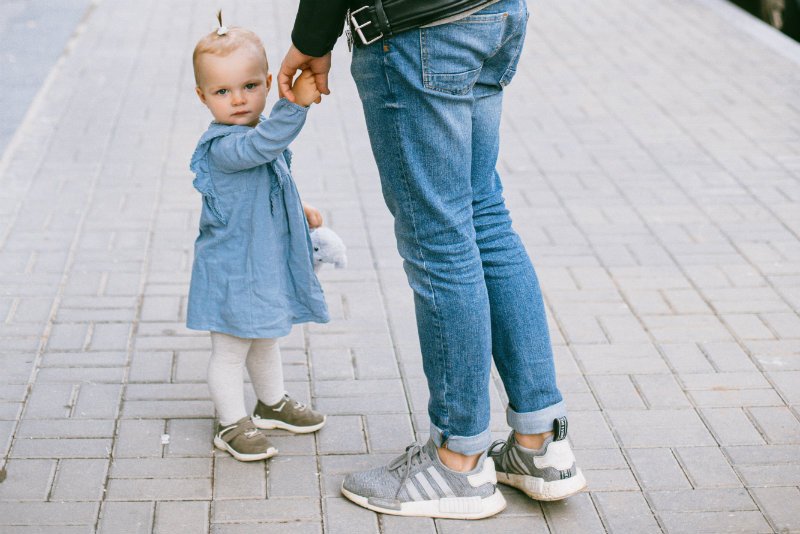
(222, 43)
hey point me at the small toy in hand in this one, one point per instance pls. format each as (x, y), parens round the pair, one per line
(328, 248)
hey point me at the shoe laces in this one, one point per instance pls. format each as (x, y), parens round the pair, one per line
(503, 444)
(413, 456)
(300, 406)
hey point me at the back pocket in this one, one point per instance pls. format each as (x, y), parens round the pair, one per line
(516, 41)
(453, 53)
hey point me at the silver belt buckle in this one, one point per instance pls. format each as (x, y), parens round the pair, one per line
(357, 27)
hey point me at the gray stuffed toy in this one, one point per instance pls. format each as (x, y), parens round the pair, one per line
(328, 248)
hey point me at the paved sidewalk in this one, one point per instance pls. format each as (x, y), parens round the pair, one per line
(651, 156)
(47, 24)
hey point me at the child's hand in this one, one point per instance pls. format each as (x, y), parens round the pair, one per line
(305, 89)
(313, 216)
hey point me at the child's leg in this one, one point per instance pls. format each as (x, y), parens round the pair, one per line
(266, 371)
(276, 409)
(225, 376)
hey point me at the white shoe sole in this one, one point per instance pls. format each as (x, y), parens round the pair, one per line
(538, 489)
(447, 508)
(269, 424)
(222, 445)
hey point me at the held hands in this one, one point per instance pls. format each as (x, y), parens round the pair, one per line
(305, 89)
(296, 60)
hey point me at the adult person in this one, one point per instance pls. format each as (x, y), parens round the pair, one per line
(432, 99)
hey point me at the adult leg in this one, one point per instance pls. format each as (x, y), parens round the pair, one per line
(421, 140)
(416, 90)
(533, 459)
(520, 339)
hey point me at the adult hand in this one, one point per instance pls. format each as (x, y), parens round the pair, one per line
(296, 60)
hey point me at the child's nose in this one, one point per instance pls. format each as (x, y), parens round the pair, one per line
(238, 97)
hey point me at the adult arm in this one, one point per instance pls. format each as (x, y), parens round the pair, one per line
(317, 26)
(262, 144)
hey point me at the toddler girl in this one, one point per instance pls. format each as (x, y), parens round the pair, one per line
(252, 277)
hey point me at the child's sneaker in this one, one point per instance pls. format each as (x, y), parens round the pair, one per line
(244, 441)
(288, 414)
(416, 483)
(546, 474)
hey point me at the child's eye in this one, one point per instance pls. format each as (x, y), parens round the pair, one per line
(221, 92)
(251, 86)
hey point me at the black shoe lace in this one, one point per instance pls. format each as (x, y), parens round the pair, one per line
(413, 455)
(498, 455)
(503, 447)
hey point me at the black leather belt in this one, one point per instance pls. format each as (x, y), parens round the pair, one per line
(385, 18)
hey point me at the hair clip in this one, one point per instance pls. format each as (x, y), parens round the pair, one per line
(222, 30)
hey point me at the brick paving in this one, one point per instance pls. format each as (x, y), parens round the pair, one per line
(48, 24)
(651, 156)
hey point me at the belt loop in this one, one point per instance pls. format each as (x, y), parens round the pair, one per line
(383, 20)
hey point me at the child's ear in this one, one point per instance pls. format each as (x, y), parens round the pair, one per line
(269, 81)
(200, 94)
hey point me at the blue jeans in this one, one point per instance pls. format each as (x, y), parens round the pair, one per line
(432, 99)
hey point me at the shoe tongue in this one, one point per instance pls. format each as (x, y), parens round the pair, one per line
(512, 439)
(430, 449)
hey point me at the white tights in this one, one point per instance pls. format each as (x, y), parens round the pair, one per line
(229, 354)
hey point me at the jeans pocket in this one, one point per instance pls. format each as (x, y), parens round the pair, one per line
(511, 70)
(453, 53)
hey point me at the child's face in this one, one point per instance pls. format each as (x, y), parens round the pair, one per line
(234, 87)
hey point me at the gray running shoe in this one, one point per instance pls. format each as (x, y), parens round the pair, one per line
(244, 441)
(288, 414)
(416, 483)
(546, 474)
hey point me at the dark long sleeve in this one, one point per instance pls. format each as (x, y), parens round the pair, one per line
(318, 25)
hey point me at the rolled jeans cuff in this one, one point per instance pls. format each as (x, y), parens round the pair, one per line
(536, 422)
(466, 445)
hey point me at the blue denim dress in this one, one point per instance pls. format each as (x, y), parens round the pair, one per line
(252, 275)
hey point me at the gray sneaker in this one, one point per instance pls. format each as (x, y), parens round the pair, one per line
(546, 474)
(244, 441)
(288, 414)
(416, 483)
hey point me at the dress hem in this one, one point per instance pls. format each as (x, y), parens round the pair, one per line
(269, 334)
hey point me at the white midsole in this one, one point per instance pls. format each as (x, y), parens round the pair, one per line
(221, 444)
(269, 424)
(540, 490)
(448, 508)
